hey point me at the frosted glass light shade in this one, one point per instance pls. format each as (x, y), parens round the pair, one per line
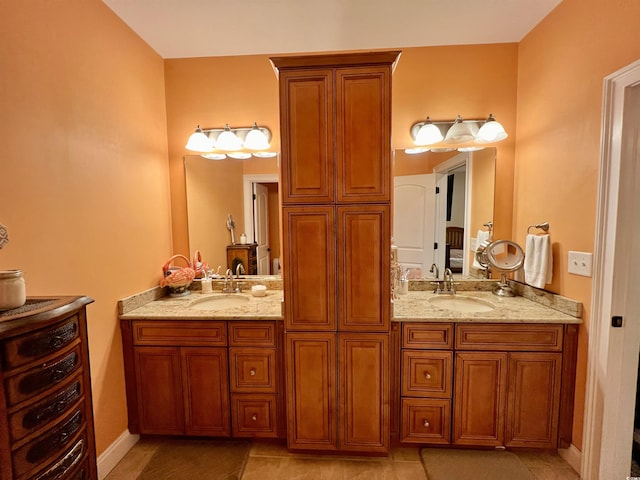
(239, 155)
(199, 142)
(491, 131)
(227, 140)
(214, 156)
(428, 134)
(461, 132)
(264, 154)
(256, 139)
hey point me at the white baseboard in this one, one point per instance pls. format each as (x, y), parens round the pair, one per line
(572, 456)
(115, 452)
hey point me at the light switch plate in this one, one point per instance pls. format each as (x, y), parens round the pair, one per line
(580, 263)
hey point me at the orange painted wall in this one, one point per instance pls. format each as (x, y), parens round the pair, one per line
(562, 63)
(83, 170)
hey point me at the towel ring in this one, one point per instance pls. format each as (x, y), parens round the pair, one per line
(542, 226)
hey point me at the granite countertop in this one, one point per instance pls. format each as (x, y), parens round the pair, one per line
(530, 306)
(415, 306)
(268, 307)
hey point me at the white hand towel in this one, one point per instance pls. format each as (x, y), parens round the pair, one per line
(481, 236)
(538, 260)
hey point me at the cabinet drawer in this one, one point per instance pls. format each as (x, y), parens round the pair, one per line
(252, 334)
(529, 337)
(53, 406)
(254, 415)
(46, 448)
(427, 373)
(71, 464)
(28, 383)
(425, 421)
(184, 333)
(427, 335)
(47, 341)
(252, 369)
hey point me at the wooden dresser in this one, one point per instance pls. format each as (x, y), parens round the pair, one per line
(45, 405)
(244, 254)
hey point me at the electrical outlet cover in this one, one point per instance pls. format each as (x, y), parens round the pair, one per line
(580, 263)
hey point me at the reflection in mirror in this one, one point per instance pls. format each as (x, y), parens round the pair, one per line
(248, 191)
(443, 228)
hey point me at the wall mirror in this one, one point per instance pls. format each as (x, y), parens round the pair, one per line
(442, 228)
(248, 191)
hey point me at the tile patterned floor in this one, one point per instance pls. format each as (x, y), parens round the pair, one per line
(272, 461)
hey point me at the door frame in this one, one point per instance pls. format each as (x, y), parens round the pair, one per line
(612, 362)
(247, 194)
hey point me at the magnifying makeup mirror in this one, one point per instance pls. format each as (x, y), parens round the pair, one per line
(505, 256)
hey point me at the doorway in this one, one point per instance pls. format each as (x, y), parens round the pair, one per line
(261, 220)
(613, 351)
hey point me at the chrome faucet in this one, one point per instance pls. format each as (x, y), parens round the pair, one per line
(448, 286)
(435, 270)
(228, 282)
(239, 270)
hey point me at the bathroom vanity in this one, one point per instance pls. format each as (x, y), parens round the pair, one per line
(500, 377)
(45, 392)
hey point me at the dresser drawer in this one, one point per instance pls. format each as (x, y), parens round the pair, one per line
(73, 464)
(37, 415)
(425, 421)
(519, 337)
(252, 334)
(46, 375)
(252, 369)
(254, 415)
(183, 333)
(41, 343)
(427, 373)
(45, 449)
(437, 336)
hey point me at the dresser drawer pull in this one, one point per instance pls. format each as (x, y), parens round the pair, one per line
(426, 424)
(52, 374)
(252, 372)
(427, 375)
(54, 407)
(49, 342)
(55, 440)
(66, 463)
(254, 417)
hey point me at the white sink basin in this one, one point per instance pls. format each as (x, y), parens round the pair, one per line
(219, 302)
(461, 304)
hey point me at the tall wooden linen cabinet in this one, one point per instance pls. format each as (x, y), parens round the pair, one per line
(335, 124)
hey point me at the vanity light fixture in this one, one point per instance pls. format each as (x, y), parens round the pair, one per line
(238, 142)
(471, 135)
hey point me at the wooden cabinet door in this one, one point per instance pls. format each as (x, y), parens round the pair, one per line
(205, 386)
(311, 391)
(533, 400)
(364, 392)
(479, 398)
(363, 134)
(309, 268)
(307, 136)
(363, 265)
(159, 390)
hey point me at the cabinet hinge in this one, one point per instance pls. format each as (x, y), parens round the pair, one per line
(435, 246)
(437, 190)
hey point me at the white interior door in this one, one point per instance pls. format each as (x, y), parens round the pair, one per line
(414, 220)
(261, 217)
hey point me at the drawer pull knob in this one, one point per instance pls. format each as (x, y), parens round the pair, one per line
(254, 417)
(427, 375)
(425, 423)
(252, 372)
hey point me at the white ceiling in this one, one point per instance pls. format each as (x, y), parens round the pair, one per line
(202, 28)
